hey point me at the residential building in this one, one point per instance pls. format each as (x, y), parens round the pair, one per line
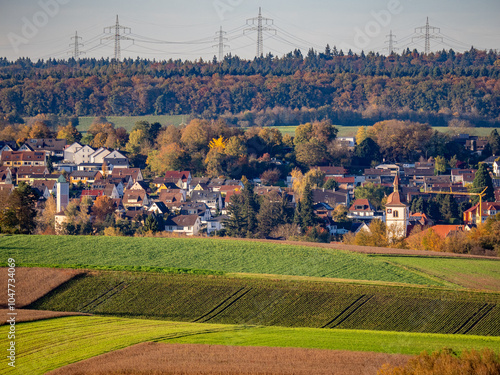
(185, 224)
(23, 158)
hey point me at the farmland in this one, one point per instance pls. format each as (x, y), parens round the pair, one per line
(205, 254)
(182, 359)
(50, 344)
(128, 122)
(469, 273)
(227, 300)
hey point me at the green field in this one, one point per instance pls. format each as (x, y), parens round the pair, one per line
(469, 273)
(205, 254)
(350, 131)
(128, 122)
(49, 344)
(278, 303)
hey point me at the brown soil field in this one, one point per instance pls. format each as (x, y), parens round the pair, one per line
(197, 359)
(32, 315)
(33, 283)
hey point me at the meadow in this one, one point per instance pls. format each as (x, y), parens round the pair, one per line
(49, 344)
(128, 123)
(204, 254)
(227, 300)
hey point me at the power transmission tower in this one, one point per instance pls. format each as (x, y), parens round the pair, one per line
(261, 21)
(117, 36)
(391, 42)
(76, 45)
(221, 44)
(427, 36)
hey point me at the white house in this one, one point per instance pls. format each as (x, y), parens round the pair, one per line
(98, 155)
(83, 155)
(70, 150)
(186, 224)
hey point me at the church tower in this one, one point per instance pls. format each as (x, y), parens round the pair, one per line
(62, 195)
(397, 214)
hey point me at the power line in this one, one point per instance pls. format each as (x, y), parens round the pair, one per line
(117, 37)
(260, 28)
(427, 36)
(391, 42)
(76, 45)
(221, 44)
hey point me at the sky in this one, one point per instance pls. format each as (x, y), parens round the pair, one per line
(187, 29)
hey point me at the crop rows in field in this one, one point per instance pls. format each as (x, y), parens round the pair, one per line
(278, 303)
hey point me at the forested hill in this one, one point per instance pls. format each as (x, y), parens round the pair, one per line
(348, 88)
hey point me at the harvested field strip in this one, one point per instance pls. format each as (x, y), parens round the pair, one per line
(24, 315)
(33, 283)
(280, 303)
(50, 344)
(150, 358)
(206, 254)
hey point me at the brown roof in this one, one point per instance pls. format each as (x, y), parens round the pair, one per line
(184, 220)
(23, 156)
(170, 196)
(364, 203)
(49, 183)
(123, 172)
(332, 170)
(394, 199)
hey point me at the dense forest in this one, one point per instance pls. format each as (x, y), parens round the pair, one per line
(348, 89)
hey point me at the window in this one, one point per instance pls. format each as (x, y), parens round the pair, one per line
(389, 211)
(395, 214)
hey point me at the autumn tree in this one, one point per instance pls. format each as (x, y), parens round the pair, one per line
(46, 221)
(19, 216)
(171, 157)
(270, 177)
(102, 207)
(70, 133)
(195, 135)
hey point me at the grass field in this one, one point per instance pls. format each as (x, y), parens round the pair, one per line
(278, 303)
(350, 131)
(469, 273)
(205, 254)
(50, 344)
(128, 122)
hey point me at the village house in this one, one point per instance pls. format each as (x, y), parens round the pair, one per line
(185, 224)
(53, 147)
(212, 199)
(23, 158)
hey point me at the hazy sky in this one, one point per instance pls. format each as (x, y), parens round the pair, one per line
(187, 29)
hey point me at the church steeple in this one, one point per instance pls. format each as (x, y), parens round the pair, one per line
(396, 183)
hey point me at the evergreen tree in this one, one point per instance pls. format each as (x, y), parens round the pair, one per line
(151, 224)
(494, 142)
(307, 217)
(250, 208)
(367, 151)
(236, 222)
(481, 181)
(270, 214)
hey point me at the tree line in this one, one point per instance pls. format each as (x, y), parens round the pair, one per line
(348, 89)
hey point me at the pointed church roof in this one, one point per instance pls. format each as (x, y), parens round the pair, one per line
(61, 180)
(394, 199)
